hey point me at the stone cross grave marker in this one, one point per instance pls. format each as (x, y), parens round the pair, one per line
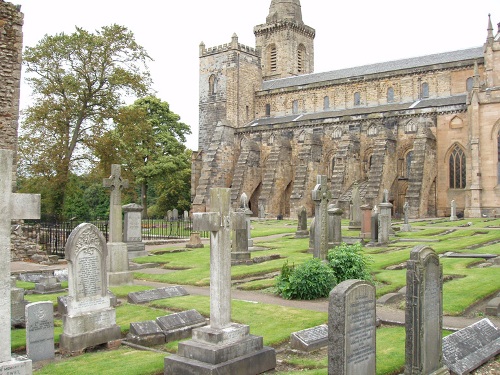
(222, 347)
(321, 195)
(12, 207)
(424, 313)
(90, 319)
(116, 184)
(40, 331)
(351, 329)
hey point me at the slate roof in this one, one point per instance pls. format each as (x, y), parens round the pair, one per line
(424, 103)
(360, 71)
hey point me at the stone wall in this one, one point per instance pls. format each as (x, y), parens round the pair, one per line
(11, 42)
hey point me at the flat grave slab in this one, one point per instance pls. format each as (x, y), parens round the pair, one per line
(156, 294)
(147, 333)
(469, 348)
(469, 255)
(179, 325)
(310, 339)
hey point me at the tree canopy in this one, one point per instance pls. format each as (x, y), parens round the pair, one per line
(79, 82)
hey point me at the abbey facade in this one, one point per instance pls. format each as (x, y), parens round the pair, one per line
(427, 129)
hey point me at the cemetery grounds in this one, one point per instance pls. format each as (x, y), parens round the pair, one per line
(469, 283)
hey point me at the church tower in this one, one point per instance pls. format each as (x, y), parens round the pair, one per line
(284, 42)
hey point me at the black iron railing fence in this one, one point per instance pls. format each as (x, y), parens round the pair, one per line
(53, 236)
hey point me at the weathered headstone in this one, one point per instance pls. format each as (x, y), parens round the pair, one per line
(406, 227)
(320, 195)
(351, 329)
(453, 215)
(48, 284)
(310, 339)
(90, 319)
(17, 305)
(132, 233)
(248, 214)
(366, 215)
(355, 222)
(40, 331)
(180, 325)
(424, 313)
(312, 235)
(175, 214)
(239, 248)
(185, 216)
(145, 296)
(12, 207)
(117, 262)
(194, 241)
(469, 348)
(384, 219)
(334, 226)
(374, 226)
(222, 347)
(302, 231)
(169, 215)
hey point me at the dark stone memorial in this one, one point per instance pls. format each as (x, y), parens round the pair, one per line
(147, 333)
(179, 325)
(469, 348)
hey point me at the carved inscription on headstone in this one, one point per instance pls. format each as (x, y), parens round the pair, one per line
(39, 331)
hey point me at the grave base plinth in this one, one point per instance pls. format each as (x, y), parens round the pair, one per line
(78, 343)
(17, 365)
(302, 234)
(118, 272)
(222, 351)
(136, 249)
(120, 278)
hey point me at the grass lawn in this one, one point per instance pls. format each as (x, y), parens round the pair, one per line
(467, 285)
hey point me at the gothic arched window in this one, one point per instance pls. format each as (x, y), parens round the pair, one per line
(212, 85)
(469, 84)
(326, 103)
(301, 54)
(337, 133)
(357, 98)
(457, 168)
(390, 95)
(425, 90)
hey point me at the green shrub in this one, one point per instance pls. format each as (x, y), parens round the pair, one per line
(312, 279)
(349, 262)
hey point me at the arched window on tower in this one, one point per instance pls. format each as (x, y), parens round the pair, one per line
(212, 85)
(469, 83)
(390, 95)
(301, 54)
(424, 90)
(457, 168)
(357, 98)
(273, 60)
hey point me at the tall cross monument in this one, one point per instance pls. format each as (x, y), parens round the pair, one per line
(12, 207)
(321, 195)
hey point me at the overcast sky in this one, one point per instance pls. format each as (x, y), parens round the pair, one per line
(348, 33)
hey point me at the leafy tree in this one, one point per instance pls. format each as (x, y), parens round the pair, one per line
(78, 83)
(349, 262)
(148, 140)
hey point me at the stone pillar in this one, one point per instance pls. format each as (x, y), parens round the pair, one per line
(424, 313)
(453, 216)
(384, 219)
(374, 226)
(366, 215)
(352, 329)
(334, 226)
(320, 195)
(132, 233)
(355, 213)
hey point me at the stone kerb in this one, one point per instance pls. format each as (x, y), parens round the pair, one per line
(90, 319)
(352, 329)
(424, 313)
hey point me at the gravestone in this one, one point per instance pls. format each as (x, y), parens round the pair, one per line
(17, 305)
(147, 333)
(194, 241)
(90, 319)
(384, 219)
(355, 222)
(48, 284)
(374, 226)
(320, 195)
(180, 325)
(169, 215)
(117, 262)
(12, 207)
(145, 296)
(366, 216)
(239, 247)
(185, 216)
(312, 235)
(302, 231)
(248, 214)
(469, 348)
(310, 339)
(222, 347)
(453, 215)
(424, 313)
(262, 211)
(175, 214)
(334, 226)
(351, 329)
(40, 331)
(406, 227)
(132, 233)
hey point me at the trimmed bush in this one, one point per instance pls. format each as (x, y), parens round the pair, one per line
(310, 280)
(348, 262)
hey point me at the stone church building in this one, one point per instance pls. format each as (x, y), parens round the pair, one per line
(426, 128)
